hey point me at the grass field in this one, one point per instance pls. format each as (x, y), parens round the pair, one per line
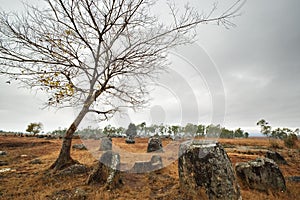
(28, 181)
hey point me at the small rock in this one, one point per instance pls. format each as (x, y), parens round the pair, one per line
(261, 174)
(80, 194)
(276, 157)
(79, 147)
(3, 153)
(50, 137)
(294, 179)
(24, 156)
(3, 163)
(5, 170)
(130, 141)
(155, 145)
(35, 161)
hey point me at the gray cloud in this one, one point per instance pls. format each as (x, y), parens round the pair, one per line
(259, 63)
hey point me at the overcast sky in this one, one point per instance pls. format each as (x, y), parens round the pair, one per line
(234, 77)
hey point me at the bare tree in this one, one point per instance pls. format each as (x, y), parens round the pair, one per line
(95, 54)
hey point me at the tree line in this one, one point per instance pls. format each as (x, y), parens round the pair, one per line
(288, 135)
(142, 130)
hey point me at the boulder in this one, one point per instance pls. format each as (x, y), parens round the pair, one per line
(80, 194)
(262, 174)
(79, 147)
(106, 172)
(35, 161)
(294, 179)
(154, 164)
(105, 144)
(130, 140)
(74, 169)
(51, 137)
(205, 171)
(3, 153)
(276, 157)
(155, 145)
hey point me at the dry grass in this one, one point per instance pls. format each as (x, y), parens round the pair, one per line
(27, 181)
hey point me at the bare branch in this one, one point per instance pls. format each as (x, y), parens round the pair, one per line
(88, 52)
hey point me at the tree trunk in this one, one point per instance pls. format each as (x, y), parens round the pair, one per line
(64, 159)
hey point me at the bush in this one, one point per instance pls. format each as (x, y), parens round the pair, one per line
(290, 140)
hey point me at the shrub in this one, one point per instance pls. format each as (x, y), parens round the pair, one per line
(290, 140)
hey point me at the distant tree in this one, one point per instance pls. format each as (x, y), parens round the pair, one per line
(169, 130)
(175, 129)
(35, 128)
(280, 133)
(120, 130)
(131, 131)
(143, 126)
(89, 132)
(287, 135)
(290, 140)
(190, 129)
(239, 133)
(225, 133)
(152, 128)
(213, 130)
(162, 129)
(59, 132)
(265, 128)
(200, 130)
(109, 130)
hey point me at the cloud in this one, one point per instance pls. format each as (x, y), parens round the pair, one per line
(19, 107)
(259, 63)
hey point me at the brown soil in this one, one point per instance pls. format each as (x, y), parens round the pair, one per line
(28, 181)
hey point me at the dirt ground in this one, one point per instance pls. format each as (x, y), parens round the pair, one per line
(21, 180)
